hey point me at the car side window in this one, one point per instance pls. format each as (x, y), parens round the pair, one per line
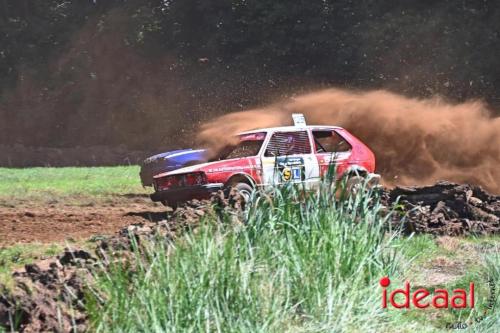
(288, 143)
(330, 142)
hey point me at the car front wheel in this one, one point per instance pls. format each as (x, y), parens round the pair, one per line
(244, 190)
(172, 204)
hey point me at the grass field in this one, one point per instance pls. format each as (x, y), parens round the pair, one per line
(49, 183)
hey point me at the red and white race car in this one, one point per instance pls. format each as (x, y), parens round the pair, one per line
(269, 157)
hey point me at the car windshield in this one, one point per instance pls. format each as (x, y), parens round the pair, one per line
(249, 145)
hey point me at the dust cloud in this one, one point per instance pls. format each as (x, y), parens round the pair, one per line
(416, 141)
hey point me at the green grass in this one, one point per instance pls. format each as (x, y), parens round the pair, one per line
(309, 265)
(299, 265)
(419, 247)
(480, 256)
(34, 183)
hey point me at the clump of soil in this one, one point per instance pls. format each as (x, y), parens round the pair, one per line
(446, 209)
(185, 217)
(48, 296)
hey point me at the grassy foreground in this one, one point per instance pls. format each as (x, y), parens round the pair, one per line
(298, 265)
(56, 183)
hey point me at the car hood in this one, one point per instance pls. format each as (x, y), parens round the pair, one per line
(173, 154)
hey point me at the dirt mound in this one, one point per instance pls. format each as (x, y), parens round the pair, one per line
(446, 209)
(187, 216)
(48, 296)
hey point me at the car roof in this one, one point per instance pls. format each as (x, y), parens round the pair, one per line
(289, 129)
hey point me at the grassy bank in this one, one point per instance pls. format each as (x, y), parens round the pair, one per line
(47, 183)
(298, 265)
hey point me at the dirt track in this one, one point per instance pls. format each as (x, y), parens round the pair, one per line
(443, 209)
(59, 222)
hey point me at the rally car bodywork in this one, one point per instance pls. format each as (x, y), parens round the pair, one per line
(169, 161)
(268, 157)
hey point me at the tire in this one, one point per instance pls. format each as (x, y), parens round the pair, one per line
(354, 184)
(244, 190)
(172, 205)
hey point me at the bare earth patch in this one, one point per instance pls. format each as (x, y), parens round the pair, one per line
(58, 222)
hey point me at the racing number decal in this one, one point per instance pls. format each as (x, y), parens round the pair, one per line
(286, 174)
(297, 174)
(294, 173)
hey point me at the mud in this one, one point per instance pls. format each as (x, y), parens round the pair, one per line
(446, 209)
(48, 296)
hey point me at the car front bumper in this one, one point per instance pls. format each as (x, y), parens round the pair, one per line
(186, 193)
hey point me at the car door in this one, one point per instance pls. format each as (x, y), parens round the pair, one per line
(288, 157)
(332, 152)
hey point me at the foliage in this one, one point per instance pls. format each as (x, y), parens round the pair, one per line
(116, 68)
(299, 264)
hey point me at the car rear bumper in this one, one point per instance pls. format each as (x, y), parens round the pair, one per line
(186, 193)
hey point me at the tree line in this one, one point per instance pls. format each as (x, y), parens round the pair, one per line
(130, 72)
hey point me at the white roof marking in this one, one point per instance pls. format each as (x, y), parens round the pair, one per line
(290, 128)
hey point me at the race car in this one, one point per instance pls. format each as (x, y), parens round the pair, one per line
(270, 157)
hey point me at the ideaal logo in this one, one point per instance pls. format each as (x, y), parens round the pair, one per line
(440, 298)
(423, 298)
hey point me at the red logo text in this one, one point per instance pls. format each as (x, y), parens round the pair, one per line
(423, 298)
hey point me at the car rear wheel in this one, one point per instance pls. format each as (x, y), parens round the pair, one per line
(354, 184)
